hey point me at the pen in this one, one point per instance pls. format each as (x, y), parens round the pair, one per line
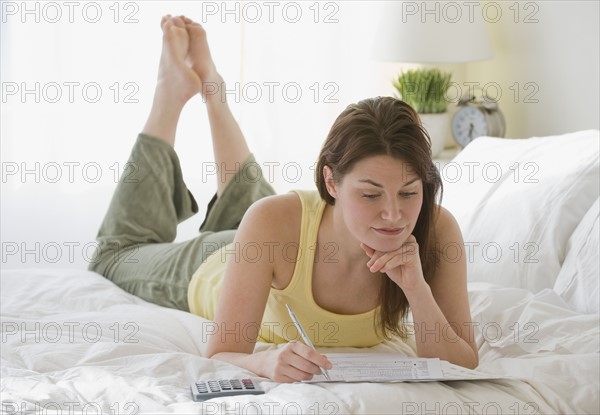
(304, 336)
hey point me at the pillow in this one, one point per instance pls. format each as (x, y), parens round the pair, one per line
(518, 201)
(577, 281)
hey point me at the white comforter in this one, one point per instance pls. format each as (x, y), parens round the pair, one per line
(74, 342)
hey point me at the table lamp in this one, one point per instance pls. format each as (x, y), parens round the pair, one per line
(432, 33)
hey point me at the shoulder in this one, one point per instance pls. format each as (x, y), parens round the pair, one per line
(273, 223)
(275, 215)
(274, 207)
(448, 243)
(447, 229)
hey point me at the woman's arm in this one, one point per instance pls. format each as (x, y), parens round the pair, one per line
(440, 309)
(441, 312)
(246, 286)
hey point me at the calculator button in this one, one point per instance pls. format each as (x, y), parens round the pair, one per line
(209, 389)
(248, 384)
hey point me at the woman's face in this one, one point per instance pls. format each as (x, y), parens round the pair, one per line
(380, 199)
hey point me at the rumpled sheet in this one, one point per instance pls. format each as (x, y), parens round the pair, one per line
(73, 342)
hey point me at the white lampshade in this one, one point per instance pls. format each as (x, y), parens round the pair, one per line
(431, 32)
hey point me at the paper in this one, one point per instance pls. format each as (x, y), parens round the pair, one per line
(394, 367)
(455, 372)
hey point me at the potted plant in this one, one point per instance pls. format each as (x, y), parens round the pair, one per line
(425, 91)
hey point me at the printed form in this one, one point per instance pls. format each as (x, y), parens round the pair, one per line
(392, 367)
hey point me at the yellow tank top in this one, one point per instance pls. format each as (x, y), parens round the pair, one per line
(325, 328)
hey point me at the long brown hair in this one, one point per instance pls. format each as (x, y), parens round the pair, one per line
(387, 126)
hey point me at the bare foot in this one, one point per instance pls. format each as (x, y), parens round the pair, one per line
(176, 78)
(199, 52)
(177, 81)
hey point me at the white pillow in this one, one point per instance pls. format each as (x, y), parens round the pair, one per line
(518, 201)
(577, 281)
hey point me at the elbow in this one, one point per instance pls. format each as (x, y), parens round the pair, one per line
(216, 355)
(211, 352)
(212, 349)
(474, 360)
(468, 360)
(473, 364)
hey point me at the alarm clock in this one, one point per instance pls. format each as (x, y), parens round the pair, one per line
(476, 118)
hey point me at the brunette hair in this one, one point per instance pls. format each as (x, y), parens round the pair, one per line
(387, 126)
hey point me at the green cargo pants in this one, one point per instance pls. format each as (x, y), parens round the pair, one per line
(135, 241)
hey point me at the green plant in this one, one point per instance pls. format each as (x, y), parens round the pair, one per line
(424, 89)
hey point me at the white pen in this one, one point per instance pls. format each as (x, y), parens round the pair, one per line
(305, 337)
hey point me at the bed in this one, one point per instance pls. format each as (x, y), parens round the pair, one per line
(73, 342)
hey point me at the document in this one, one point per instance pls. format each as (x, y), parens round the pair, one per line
(393, 367)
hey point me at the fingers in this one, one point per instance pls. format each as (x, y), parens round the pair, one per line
(378, 260)
(385, 261)
(311, 355)
(298, 362)
(368, 250)
(386, 264)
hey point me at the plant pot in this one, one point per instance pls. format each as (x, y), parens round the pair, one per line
(437, 127)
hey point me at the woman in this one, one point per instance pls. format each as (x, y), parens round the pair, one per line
(351, 259)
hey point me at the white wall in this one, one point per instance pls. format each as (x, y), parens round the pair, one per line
(546, 64)
(555, 61)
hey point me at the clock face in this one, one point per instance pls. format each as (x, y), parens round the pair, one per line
(468, 123)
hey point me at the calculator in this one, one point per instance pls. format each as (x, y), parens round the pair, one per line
(208, 389)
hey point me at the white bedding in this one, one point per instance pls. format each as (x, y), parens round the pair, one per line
(72, 340)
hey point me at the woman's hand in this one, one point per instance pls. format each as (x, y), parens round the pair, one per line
(403, 266)
(294, 362)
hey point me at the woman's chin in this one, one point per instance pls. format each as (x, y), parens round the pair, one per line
(391, 244)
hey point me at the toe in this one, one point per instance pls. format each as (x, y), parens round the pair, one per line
(168, 23)
(178, 21)
(196, 29)
(164, 20)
